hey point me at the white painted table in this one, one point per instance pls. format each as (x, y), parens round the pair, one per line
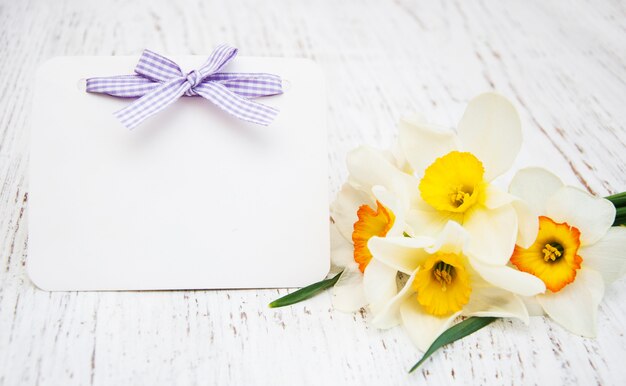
(562, 63)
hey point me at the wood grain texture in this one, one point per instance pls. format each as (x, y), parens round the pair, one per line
(562, 63)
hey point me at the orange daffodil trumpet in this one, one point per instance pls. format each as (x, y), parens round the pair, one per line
(576, 251)
(371, 203)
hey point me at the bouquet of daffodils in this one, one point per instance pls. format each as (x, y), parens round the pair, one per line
(422, 237)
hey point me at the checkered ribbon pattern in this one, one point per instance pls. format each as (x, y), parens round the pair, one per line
(158, 82)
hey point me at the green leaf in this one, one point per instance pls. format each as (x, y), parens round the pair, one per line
(305, 292)
(619, 199)
(620, 216)
(619, 220)
(456, 332)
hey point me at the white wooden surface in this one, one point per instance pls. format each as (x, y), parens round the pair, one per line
(562, 63)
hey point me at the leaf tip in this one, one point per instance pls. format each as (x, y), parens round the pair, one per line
(417, 365)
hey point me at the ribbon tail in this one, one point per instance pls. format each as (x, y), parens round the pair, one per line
(237, 105)
(150, 104)
(249, 85)
(124, 86)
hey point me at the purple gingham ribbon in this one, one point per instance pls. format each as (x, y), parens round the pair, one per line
(159, 82)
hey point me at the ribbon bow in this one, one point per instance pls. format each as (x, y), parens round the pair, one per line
(159, 82)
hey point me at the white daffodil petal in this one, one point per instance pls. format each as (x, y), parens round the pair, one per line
(527, 219)
(492, 233)
(389, 314)
(348, 294)
(533, 306)
(396, 160)
(368, 167)
(527, 224)
(341, 250)
(534, 186)
(422, 327)
(575, 307)
(509, 279)
(491, 130)
(398, 208)
(496, 197)
(403, 254)
(344, 209)
(593, 216)
(400, 159)
(422, 143)
(402, 189)
(379, 284)
(387, 198)
(492, 301)
(452, 239)
(608, 255)
(425, 220)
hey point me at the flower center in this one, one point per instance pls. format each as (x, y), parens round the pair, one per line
(554, 255)
(552, 252)
(454, 182)
(370, 223)
(443, 274)
(458, 196)
(442, 284)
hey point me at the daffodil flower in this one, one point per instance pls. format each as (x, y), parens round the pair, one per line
(371, 203)
(576, 251)
(446, 281)
(456, 171)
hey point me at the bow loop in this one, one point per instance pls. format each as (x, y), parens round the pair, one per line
(220, 57)
(159, 82)
(156, 67)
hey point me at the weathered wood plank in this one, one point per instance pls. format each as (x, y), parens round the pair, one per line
(562, 63)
